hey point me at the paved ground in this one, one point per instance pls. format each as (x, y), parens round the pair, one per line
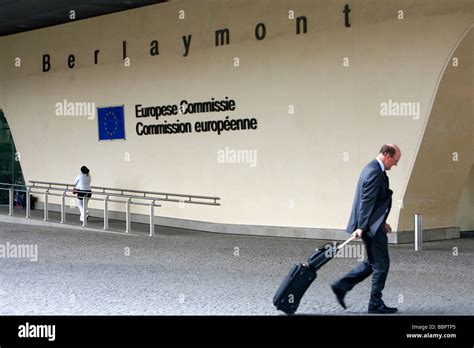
(182, 272)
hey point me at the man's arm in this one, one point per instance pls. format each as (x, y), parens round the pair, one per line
(370, 190)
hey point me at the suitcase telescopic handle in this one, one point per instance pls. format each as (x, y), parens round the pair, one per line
(346, 242)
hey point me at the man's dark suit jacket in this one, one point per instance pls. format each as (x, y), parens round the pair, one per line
(372, 201)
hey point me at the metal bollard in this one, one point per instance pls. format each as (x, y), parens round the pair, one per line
(106, 213)
(28, 203)
(152, 218)
(84, 222)
(127, 217)
(46, 205)
(418, 232)
(63, 207)
(10, 201)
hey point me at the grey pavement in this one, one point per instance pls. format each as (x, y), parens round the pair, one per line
(183, 272)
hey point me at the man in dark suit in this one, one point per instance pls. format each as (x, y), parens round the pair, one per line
(372, 203)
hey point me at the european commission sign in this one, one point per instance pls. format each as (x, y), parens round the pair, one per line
(111, 123)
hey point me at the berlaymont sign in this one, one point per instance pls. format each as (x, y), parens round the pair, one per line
(222, 36)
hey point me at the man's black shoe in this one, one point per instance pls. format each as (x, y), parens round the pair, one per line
(339, 295)
(383, 310)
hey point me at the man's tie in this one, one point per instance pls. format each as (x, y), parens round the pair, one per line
(386, 178)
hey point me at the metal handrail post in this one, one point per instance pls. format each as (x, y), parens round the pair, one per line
(10, 201)
(418, 232)
(127, 216)
(46, 205)
(106, 213)
(63, 207)
(152, 219)
(84, 205)
(28, 203)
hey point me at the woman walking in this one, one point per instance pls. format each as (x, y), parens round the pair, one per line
(82, 186)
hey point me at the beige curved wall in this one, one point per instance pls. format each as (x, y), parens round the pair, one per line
(446, 153)
(465, 213)
(308, 162)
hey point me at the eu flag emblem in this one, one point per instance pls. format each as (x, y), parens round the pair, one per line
(111, 123)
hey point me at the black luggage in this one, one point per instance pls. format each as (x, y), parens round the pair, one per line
(301, 276)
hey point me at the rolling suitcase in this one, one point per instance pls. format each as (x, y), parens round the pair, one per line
(301, 276)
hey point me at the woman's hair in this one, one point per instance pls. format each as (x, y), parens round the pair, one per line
(85, 170)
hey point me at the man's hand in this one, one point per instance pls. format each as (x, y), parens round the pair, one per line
(357, 233)
(388, 228)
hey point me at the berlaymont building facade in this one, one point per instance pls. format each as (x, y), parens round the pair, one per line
(272, 106)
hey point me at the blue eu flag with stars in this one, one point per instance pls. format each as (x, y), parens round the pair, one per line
(111, 123)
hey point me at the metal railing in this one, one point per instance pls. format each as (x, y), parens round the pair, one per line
(11, 190)
(162, 196)
(124, 196)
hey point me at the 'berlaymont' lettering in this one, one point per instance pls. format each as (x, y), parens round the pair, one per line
(221, 38)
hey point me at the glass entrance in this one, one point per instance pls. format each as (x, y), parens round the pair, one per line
(10, 168)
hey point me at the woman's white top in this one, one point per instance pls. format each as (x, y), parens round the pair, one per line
(83, 182)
